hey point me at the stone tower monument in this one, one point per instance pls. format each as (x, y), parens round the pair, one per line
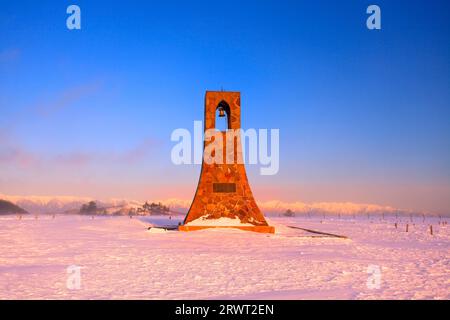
(223, 197)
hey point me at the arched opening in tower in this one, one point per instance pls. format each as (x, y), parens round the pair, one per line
(222, 116)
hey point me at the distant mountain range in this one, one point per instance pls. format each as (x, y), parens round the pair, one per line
(276, 207)
(65, 204)
(7, 207)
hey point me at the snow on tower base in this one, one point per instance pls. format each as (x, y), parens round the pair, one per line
(261, 229)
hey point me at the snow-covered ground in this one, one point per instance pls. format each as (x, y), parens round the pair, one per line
(120, 259)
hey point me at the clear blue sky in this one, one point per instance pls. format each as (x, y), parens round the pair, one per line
(364, 116)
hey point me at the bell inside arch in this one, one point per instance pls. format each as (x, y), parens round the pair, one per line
(221, 112)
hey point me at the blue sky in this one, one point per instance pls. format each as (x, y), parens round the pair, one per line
(363, 115)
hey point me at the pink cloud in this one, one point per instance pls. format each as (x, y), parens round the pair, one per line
(9, 55)
(15, 155)
(12, 154)
(69, 96)
(73, 159)
(4, 136)
(139, 152)
(83, 158)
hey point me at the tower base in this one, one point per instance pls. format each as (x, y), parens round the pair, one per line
(260, 229)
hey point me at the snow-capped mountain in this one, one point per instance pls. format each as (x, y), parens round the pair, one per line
(43, 204)
(332, 208)
(67, 204)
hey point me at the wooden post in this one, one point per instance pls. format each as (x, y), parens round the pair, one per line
(431, 229)
(407, 227)
(395, 224)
